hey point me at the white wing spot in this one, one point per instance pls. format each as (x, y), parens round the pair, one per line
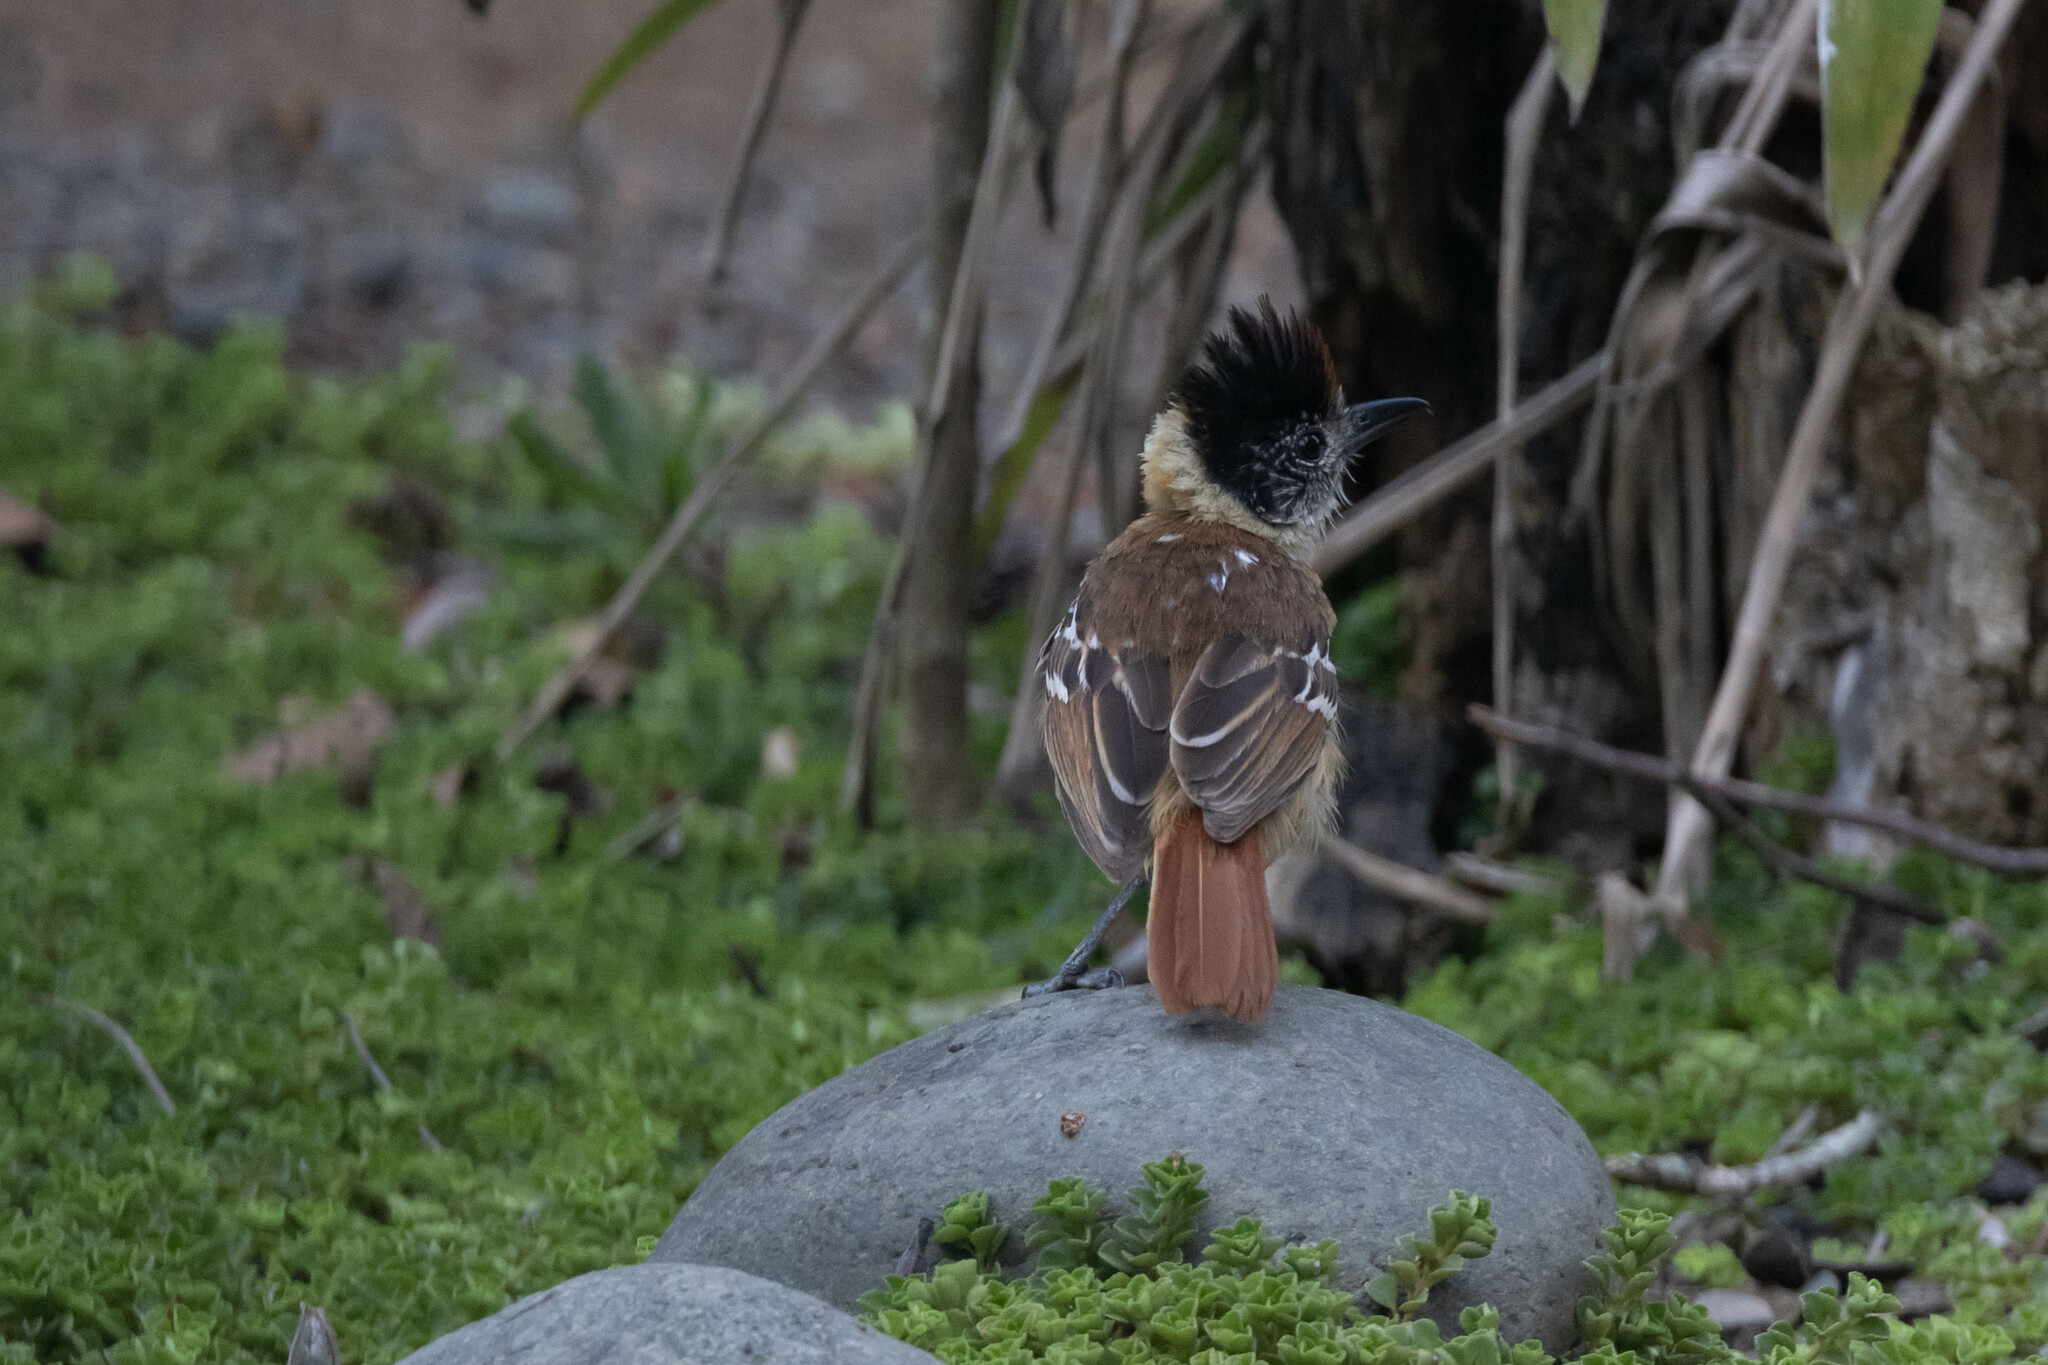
(1055, 686)
(1246, 557)
(1326, 707)
(1201, 741)
(1166, 540)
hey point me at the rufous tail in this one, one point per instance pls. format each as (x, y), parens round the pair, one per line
(1209, 934)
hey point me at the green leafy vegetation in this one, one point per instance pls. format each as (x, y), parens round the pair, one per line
(595, 1026)
(586, 1040)
(1105, 1293)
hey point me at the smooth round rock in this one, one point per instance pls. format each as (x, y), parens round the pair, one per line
(1336, 1117)
(671, 1314)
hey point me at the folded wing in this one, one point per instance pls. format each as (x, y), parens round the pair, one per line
(1248, 728)
(1106, 717)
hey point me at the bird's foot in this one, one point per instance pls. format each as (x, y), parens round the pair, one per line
(1074, 974)
(1099, 979)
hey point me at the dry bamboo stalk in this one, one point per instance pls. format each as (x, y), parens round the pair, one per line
(1105, 174)
(707, 491)
(1401, 500)
(1524, 128)
(759, 111)
(1890, 232)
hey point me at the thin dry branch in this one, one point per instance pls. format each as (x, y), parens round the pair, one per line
(1425, 889)
(1403, 499)
(136, 1057)
(790, 18)
(355, 1036)
(1784, 861)
(313, 1342)
(1682, 1174)
(1105, 174)
(707, 491)
(1524, 128)
(2014, 861)
(1891, 230)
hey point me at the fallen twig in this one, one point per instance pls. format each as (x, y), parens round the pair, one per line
(2017, 861)
(136, 1056)
(1682, 1174)
(1403, 499)
(313, 1343)
(708, 488)
(1426, 889)
(1891, 230)
(355, 1036)
(790, 18)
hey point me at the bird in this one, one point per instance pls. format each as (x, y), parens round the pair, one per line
(1190, 707)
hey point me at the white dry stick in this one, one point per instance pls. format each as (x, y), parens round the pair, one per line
(1890, 232)
(1524, 128)
(1681, 1174)
(355, 1036)
(136, 1057)
(1426, 889)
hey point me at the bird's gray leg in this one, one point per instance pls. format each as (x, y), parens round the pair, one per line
(1074, 974)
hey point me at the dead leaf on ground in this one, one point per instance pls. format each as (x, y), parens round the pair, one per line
(450, 783)
(561, 774)
(636, 647)
(779, 752)
(406, 912)
(348, 737)
(313, 1343)
(460, 592)
(1070, 1124)
(410, 517)
(24, 529)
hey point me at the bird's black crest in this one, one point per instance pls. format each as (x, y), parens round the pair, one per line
(1256, 404)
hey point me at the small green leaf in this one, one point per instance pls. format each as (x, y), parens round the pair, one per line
(1383, 1290)
(653, 31)
(1575, 30)
(1873, 54)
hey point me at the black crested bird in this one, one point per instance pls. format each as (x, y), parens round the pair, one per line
(1190, 700)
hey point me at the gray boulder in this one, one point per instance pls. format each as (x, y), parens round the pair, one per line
(1337, 1117)
(667, 1315)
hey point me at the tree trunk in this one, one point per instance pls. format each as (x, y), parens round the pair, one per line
(939, 571)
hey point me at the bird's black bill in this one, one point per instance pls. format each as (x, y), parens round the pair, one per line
(1370, 421)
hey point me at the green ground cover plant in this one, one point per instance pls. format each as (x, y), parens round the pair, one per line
(1122, 1292)
(592, 1031)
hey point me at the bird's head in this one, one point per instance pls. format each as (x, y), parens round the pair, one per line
(1257, 432)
